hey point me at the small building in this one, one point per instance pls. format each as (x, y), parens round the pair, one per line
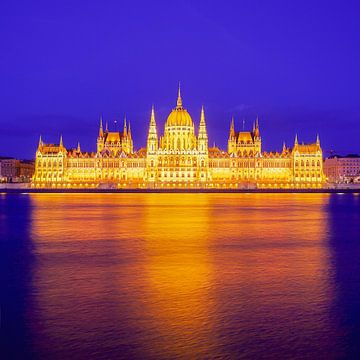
(342, 169)
(27, 169)
(14, 170)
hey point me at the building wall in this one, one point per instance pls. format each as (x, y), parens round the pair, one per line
(27, 169)
(342, 169)
(10, 168)
(193, 169)
(16, 170)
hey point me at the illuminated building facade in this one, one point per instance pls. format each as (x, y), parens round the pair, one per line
(179, 159)
(342, 169)
(14, 170)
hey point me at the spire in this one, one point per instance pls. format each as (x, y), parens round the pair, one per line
(232, 128)
(256, 129)
(152, 128)
(78, 147)
(284, 147)
(106, 126)
(40, 142)
(61, 141)
(125, 129)
(202, 127)
(179, 100)
(152, 140)
(152, 119)
(129, 131)
(101, 132)
(202, 116)
(317, 139)
(296, 140)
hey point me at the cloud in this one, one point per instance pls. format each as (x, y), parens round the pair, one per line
(238, 108)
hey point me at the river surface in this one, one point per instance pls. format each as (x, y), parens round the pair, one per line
(180, 276)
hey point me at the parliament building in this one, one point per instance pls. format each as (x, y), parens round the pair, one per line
(178, 158)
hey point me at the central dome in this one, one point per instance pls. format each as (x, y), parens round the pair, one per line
(179, 116)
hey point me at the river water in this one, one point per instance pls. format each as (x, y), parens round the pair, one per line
(164, 276)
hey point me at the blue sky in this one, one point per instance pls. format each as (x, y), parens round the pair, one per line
(295, 64)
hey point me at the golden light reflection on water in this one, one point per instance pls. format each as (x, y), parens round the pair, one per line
(179, 272)
(182, 275)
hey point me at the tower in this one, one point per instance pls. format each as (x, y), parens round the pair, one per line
(203, 148)
(256, 128)
(129, 131)
(100, 139)
(296, 142)
(232, 138)
(257, 137)
(151, 150)
(202, 136)
(125, 128)
(126, 141)
(152, 140)
(40, 143)
(318, 140)
(130, 140)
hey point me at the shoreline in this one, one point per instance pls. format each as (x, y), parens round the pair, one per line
(169, 191)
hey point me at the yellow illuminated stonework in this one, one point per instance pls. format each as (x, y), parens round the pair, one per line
(178, 159)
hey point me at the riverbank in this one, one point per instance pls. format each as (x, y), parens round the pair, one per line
(26, 189)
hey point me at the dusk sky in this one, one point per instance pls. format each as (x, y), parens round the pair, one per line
(295, 64)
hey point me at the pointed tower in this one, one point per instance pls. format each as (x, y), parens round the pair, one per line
(101, 138)
(78, 148)
(101, 132)
(284, 147)
(256, 128)
(203, 148)
(62, 148)
(202, 136)
(232, 129)
(125, 128)
(152, 140)
(257, 137)
(318, 140)
(126, 141)
(232, 138)
(40, 142)
(106, 127)
(296, 143)
(131, 144)
(179, 99)
(151, 151)
(124, 138)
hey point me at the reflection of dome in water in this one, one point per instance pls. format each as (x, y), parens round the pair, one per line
(179, 116)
